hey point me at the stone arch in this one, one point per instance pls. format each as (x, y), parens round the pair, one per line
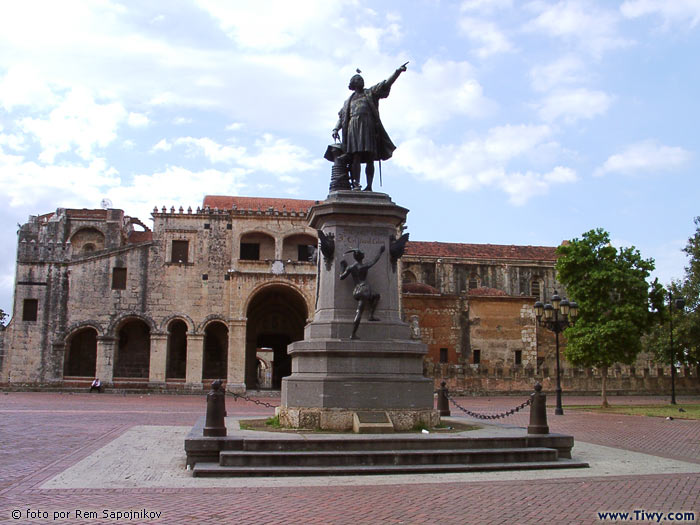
(90, 323)
(408, 277)
(81, 352)
(276, 315)
(176, 356)
(265, 242)
(209, 319)
(117, 323)
(298, 246)
(87, 239)
(182, 317)
(215, 358)
(133, 353)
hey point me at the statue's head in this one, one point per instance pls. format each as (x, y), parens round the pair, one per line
(356, 82)
(359, 255)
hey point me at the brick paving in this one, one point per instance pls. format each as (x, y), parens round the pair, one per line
(42, 434)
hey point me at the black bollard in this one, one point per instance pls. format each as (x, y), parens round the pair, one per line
(443, 402)
(215, 424)
(538, 412)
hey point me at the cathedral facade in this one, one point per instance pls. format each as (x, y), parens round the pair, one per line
(220, 291)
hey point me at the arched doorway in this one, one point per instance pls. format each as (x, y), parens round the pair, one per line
(134, 350)
(215, 364)
(177, 350)
(81, 354)
(276, 318)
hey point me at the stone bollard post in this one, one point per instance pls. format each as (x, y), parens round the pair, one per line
(538, 412)
(443, 404)
(215, 424)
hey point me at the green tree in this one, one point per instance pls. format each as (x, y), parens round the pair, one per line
(3, 316)
(686, 323)
(616, 303)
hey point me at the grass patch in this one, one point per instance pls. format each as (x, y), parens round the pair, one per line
(691, 411)
(272, 424)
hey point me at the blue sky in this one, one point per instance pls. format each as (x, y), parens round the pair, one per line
(517, 122)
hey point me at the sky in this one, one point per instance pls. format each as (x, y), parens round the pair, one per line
(517, 122)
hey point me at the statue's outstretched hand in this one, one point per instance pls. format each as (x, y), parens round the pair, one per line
(402, 68)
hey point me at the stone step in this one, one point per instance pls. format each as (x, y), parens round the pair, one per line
(434, 442)
(202, 470)
(385, 457)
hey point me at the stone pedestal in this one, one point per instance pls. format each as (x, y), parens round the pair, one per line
(334, 376)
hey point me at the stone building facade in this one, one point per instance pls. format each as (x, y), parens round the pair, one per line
(220, 291)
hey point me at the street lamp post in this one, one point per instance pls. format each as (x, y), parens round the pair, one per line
(555, 317)
(679, 303)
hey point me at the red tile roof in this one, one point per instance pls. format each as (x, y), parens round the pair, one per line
(480, 251)
(136, 237)
(223, 202)
(419, 288)
(483, 291)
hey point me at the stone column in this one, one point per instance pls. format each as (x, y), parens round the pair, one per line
(236, 355)
(195, 360)
(105, 359)
(159, 355)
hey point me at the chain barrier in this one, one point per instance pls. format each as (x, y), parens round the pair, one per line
(490, 416)
(246, 398)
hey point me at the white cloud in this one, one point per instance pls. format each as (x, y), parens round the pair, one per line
(564, 71)
(439, 91)
(579, 22)
(14, 141)
(280, 25)
(77, 123)
(28, 184)
(644, 156)
(679, 12)
(485, 162)
(521, 187)
(214, 151)
(272, 154)
(174, 186)
(162, 145)
(138, 120)
(485, 6)
(487, 34)
(179, 121)
(235, 126)
(574, 104)
(24, 85)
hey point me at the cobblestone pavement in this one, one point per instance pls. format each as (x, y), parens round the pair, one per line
(42, 434)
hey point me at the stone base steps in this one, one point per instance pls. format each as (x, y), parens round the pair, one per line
(250, 453)
(378, 458)
(203, 470)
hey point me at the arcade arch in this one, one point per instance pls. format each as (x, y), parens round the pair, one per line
(276, 317)
(215, 351)
(176, 365)
(81, 354)
(133, 349)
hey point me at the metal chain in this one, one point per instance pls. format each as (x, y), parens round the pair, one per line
(490, 416)
(246, 398)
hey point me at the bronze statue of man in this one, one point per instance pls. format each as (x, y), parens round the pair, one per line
(364, 137)
(363, 292)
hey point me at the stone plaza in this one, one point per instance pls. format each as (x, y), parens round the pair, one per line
(94, 453)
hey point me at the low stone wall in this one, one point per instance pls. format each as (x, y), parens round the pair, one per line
(479, 381)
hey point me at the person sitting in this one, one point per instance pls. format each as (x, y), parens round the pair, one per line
(96, 385)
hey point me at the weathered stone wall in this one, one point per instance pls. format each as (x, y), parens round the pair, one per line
(465, 380)
(439, 319)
